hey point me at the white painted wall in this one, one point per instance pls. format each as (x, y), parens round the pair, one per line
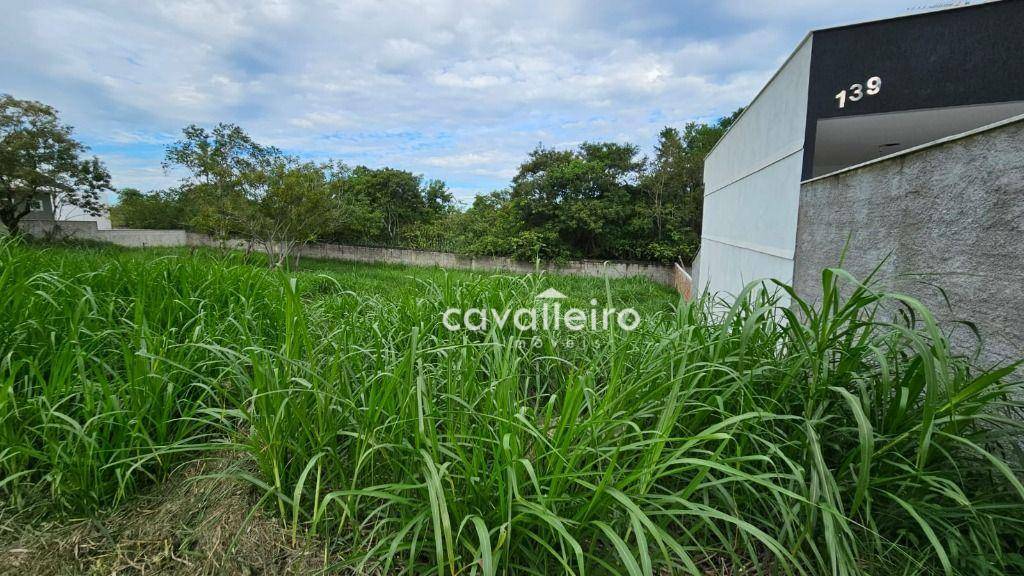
(73, 213)
(752, 185)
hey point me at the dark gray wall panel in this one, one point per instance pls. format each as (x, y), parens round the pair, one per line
(956, 57)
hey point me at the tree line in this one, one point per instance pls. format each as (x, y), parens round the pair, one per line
(601, 200)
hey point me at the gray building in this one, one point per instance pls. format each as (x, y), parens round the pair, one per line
(846, 96)
(42, 215)
(41, 210)
(900, 141)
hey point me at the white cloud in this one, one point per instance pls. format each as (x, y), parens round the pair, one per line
(457, 90)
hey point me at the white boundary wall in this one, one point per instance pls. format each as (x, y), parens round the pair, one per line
(672, 275)
(752, 185)
(89, 230)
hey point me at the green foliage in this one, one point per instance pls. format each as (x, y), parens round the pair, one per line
(580, 198)
(394, 195)
(675, 184)
(389, 207)
(600, 200)
(295, 206)
(39, 157)
(114, 401)
(438, 199)
(226, 169)
(158, 210)
(762, 437)
(487, 228)
(238, 188)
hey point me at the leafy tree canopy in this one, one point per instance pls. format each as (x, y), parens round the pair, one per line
(159, 209)
(598, 200)
(40, 158)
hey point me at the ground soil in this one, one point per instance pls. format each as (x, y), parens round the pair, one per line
(200, 521)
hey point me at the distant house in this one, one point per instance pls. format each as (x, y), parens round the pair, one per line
(42, 209)
(76, 214)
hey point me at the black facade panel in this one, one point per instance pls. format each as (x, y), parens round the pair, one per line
(972, 55)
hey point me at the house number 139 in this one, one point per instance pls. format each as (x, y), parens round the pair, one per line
(857, 91)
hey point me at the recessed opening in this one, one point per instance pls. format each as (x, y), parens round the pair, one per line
(844, 142)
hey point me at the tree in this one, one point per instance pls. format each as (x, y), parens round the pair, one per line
(674, 186)
(296, 207)
(354, 217)
(439, 201)
(598, 200)
(237, 187)
(226, 167)
(393, 197)
(683, 164)
(666, 151)
(39, 157)
(579, 199)
(159, 209)
(493, 226)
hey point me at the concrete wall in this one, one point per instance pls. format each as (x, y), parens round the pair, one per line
(949, 216)
(618, 269)
(752, 185)
(669, 275)
(88, 230)
(74, 213)
(682, 281)
(143, 238)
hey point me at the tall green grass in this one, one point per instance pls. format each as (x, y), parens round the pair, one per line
(105, 366)
(843, 437)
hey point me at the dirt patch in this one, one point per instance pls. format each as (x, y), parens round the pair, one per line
(192, 524)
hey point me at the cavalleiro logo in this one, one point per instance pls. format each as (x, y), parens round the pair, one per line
(547, 314)
(551, 294)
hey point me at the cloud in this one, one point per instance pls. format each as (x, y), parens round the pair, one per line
(455, 90)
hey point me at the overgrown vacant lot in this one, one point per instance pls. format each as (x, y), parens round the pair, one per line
(208, 416)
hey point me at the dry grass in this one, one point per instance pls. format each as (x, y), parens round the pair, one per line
(198, 522)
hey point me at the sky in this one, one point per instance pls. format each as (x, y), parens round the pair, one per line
(460, 91)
